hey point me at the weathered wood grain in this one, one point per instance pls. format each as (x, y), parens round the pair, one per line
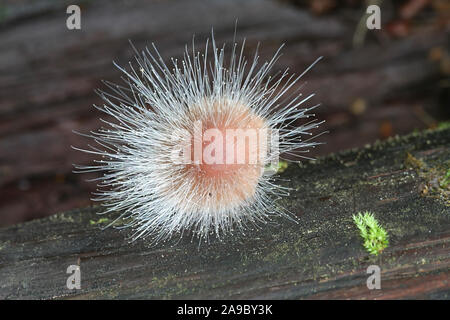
(320, 257)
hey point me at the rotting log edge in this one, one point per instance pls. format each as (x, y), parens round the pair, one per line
(320, 257)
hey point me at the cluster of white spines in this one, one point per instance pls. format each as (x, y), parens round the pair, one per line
(141, 181)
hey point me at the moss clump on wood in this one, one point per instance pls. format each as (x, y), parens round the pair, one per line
(445, 180)
(436, 177)
(101, 220)
(318, 257)
(375, 237)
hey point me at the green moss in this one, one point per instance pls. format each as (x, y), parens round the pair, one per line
(280, 251)
(436, 177)
(101, 220)
(443, 125)
(282, 165)
(444, 183)
(63, 217)
(375, 237)
(280, 168)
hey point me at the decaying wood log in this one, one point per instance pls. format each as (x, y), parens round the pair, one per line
(320, 257)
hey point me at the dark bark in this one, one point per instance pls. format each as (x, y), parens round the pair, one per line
(320, 257)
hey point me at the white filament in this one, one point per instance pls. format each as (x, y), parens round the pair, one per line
(139, 179)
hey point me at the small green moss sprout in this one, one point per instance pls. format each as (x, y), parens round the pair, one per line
(445, 182)
(375, 237)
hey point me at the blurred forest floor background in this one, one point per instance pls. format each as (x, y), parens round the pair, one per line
(372, 84)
